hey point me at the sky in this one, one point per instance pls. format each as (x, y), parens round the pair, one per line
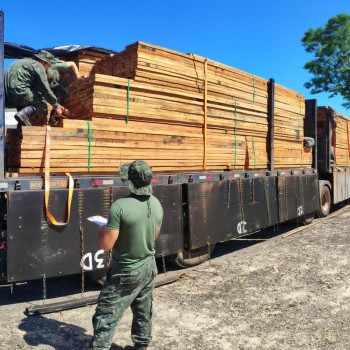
(261, 37)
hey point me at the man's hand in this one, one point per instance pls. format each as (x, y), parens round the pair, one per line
(61, 111)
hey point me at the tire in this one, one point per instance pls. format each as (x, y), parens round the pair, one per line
(307, 219)
(325, 202)
(190, 258)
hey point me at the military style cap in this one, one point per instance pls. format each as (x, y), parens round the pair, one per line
(137, 177)
(46, 57)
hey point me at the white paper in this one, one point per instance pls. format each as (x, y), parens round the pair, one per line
(98, 220)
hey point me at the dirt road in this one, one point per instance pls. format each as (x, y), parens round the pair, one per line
(282, 293)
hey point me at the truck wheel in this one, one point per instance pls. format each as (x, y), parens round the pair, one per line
(325, 202)
(307, 219)
(190, 258)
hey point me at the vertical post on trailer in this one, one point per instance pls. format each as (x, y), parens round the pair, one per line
(2, 100)
(310, 127)
(271, 123)
(330, 133)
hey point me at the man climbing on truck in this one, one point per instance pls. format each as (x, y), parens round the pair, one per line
(54, 76)
(27, 88)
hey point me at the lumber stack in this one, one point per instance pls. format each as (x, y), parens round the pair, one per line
(177, 111)
(85, 60)
(340, 137)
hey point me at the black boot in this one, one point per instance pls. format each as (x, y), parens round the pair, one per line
(23, 115)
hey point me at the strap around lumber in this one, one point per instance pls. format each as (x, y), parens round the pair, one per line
(49, 216)
(205, 109)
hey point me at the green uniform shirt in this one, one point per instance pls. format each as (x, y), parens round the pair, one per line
(53, 73)
(137, 218)
(22, 77)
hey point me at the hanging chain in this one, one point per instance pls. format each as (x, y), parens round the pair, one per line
(81, 233)
(228, 194)
(240, 194)
(285, 199)
(163, 261)
(81, 236)
(252, 192)
(265, 183)
(44, 288)
(209, 252)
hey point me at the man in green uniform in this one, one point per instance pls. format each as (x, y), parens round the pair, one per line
(28, 90)
(54, 79)
(133, 225)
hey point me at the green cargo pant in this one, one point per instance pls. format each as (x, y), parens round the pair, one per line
(32, 98)
(121, 290)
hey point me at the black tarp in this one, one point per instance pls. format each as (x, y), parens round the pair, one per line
(16, 51)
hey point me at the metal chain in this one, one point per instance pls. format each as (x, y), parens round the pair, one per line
(163, 261)
(240, 194)
(44, 288)
(228, 194)
(81, 236)
(209, 252)
(265, 183)
(285, 199)
(252, 192)
(81, 233)
(302, 192)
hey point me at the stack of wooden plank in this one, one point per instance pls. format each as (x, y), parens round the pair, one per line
(177, 111)
(340, 136)
(85, 60)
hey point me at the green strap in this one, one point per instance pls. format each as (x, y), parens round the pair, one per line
(253, 89)
(127, 103)
(253, 146)
(235, 136)
(89, 145)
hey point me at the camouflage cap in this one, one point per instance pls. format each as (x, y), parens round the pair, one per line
(137, 177)
(46, 57)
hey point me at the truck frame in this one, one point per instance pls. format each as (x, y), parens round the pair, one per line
(200, 208)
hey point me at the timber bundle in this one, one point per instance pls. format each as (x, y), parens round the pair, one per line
(340, 137)
(178, 112)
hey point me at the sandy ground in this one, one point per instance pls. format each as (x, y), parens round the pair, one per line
(285, 292)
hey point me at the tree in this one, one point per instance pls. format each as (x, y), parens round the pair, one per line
(331, 66)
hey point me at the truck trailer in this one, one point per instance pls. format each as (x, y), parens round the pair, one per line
(202, 205)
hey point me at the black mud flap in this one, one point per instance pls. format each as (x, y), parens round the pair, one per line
(219, 211)
(170, 240)
(297, 196)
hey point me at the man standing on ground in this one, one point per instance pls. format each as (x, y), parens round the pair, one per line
(133, 225)
(28, 90)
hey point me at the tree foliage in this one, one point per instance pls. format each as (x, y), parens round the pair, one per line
(331, 64)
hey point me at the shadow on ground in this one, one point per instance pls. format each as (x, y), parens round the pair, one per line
(59, 335)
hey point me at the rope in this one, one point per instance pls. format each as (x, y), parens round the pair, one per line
(299, 99)
(235, 136)
(253, 89)
(127, 102)
(89, 146)
(205, 109)
(47, 183)
(253, 147)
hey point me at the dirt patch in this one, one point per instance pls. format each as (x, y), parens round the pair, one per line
(282, 293)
